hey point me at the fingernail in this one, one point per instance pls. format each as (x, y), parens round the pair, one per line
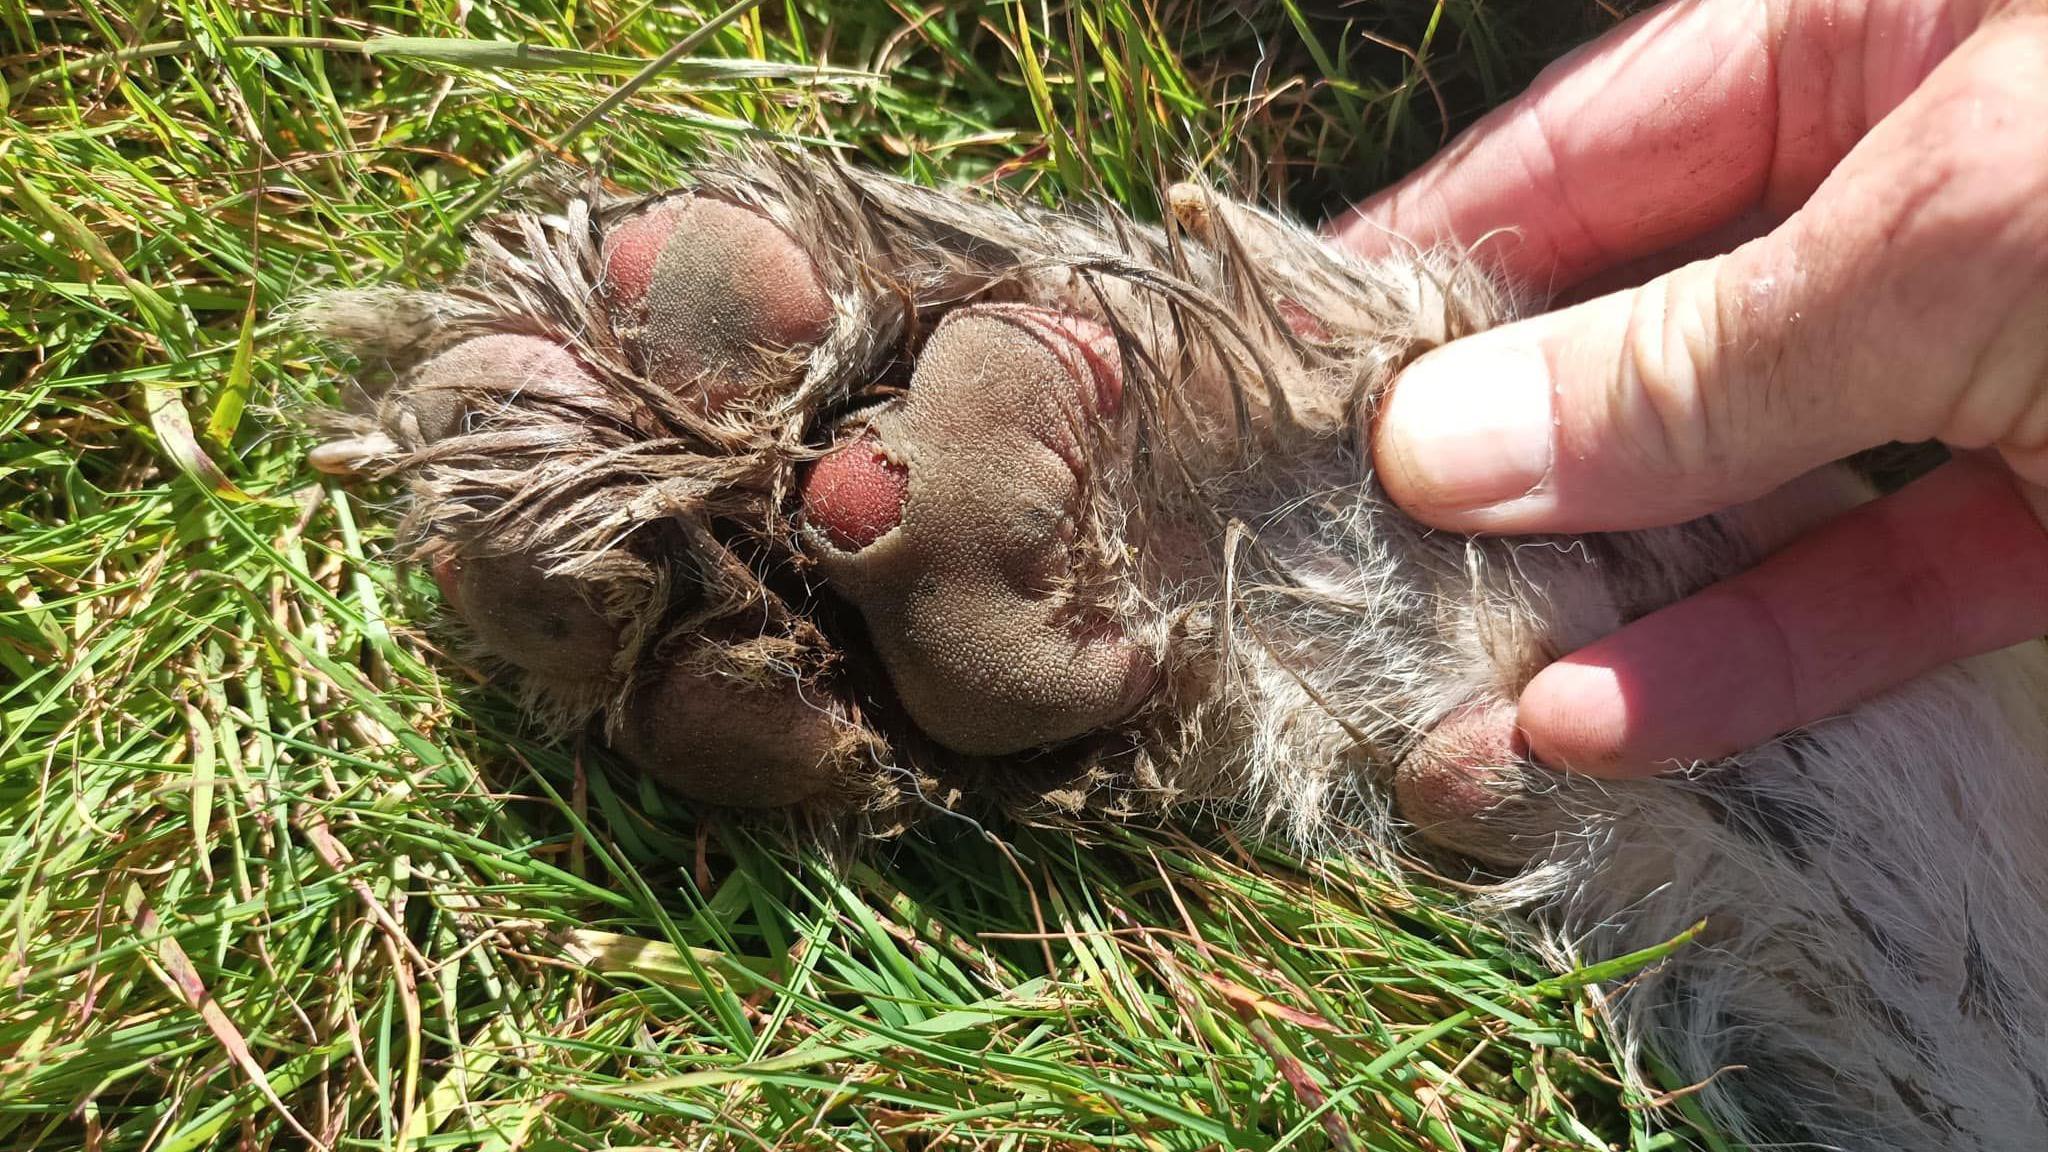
(1467, 427)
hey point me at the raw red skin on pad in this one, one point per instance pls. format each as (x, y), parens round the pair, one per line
(630, 251)
(855, 494)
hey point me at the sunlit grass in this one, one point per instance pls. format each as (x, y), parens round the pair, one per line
(277, 872)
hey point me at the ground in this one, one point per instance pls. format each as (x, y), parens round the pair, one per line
(279, 871)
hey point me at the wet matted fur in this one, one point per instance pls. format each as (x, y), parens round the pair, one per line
(1219, 606)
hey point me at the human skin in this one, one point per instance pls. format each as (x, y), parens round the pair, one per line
(1862, 193)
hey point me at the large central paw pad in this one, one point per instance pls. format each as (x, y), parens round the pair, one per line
(961, 520)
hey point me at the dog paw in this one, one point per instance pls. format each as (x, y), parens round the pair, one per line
(807, 487)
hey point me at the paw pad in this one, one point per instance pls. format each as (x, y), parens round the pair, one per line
(547, 625)
(855, 493)
(972, 598)
(1463, 789)
(712, 298)
(723, 740)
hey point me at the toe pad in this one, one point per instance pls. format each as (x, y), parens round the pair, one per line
(855, 494)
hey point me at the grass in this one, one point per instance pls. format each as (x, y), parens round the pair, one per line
(277, 872)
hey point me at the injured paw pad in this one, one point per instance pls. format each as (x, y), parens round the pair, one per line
(855, 493)
(713, 300)
(953, 522)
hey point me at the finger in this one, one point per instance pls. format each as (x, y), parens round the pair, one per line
(1858, 321)
(1675, 125)
(1950, 566)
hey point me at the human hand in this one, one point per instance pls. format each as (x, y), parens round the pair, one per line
(1880, 171)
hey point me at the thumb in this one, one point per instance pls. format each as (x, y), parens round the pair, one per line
(1903, 301)
(1645, 407)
